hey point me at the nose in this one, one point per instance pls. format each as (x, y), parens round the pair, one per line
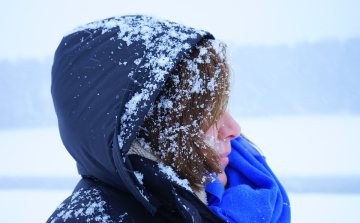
(229, 129)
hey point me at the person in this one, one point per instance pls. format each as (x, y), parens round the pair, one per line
(142, 107)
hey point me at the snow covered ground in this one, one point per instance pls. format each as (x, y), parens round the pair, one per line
(34, 152)
(34, 164)
(314, 145)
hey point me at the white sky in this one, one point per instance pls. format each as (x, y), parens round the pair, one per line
(33, 29)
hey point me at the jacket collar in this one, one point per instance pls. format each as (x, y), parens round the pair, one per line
(165, 192)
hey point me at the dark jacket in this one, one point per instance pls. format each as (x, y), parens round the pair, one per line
(105, 77)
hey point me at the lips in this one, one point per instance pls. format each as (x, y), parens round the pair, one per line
(224, 161)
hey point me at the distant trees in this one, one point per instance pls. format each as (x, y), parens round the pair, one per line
(317, 78)
(25, 94)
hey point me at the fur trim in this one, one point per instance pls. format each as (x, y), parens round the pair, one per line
(137, 149)
(202, 195)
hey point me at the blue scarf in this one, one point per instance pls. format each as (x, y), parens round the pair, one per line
(254, 194)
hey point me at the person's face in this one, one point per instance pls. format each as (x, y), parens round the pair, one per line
(220, 135)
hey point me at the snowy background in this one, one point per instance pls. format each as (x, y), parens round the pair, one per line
(296, 94)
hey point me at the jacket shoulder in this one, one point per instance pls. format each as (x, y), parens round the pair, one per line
(94, 201)
(89, 202)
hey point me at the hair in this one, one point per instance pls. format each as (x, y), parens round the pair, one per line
(193, 99)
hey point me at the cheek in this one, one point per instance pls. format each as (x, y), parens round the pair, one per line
(212, 133)
(211, 137)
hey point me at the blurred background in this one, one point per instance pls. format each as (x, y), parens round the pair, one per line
(295, 93)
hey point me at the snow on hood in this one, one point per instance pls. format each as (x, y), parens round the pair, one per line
(105, 77)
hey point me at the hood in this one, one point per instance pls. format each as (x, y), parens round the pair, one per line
(106, 76)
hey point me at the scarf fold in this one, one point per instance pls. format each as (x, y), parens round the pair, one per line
(254, 194)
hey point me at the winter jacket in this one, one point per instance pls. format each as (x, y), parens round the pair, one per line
(105, 77)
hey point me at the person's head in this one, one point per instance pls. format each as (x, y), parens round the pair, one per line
(188, 126)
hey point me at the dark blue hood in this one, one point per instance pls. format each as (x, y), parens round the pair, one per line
(105, 77)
